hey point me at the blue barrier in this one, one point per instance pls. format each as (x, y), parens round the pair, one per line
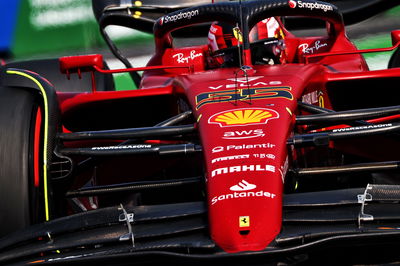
(8, 20)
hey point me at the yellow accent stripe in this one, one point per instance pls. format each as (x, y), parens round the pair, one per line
(200, 116)
(46, 128)
(289, 111)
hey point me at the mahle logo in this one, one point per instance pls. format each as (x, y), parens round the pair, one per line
(243, 117)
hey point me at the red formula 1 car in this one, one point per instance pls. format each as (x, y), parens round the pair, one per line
(281, 149)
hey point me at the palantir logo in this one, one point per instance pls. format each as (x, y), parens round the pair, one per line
(243, 186)
(292, 4)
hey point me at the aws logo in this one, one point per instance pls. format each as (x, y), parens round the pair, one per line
(245, 134)
(243, 117)
(247, 94)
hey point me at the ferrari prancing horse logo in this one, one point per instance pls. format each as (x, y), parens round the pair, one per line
(244, 221)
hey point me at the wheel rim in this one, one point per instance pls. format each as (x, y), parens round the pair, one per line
(36, 148)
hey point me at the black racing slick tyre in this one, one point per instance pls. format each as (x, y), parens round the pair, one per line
(20, 136)
(394, 59)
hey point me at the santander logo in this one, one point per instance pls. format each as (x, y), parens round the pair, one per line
(292, 4)
(243, 190)
(243, 186)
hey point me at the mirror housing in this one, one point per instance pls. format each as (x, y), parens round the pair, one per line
(395, 37)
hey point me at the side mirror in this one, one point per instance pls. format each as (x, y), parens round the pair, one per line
(395, 57)
(395, 37)
(80, 63)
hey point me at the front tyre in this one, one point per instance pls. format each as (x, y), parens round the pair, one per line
(20, 159)
(394, 59)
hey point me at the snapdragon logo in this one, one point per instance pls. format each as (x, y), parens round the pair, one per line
(310, 5)
(181, 15)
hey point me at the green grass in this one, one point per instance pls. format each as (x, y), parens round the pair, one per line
(394, 12)
(123, 82)
(375, 60)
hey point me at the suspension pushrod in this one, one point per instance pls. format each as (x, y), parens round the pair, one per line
(133, 149)
(348, 169)
(350, 115)
(323, 138)
(131, 186)
(144, 132)
(169, 122)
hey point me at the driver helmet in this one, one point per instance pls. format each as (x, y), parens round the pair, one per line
(222, 35)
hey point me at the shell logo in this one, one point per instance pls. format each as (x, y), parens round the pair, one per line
(243, 117)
